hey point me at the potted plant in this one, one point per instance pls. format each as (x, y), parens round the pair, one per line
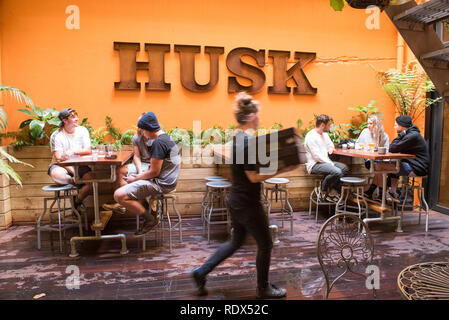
(5, 168)
(408, 90)
(338, 5)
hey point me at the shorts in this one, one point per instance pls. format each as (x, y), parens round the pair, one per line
(141, 189)
(82, 170)
(133, 170)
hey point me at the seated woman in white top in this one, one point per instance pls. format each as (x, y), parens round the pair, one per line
(374, 134)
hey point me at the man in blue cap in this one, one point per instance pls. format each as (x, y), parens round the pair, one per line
(410, 141)
(165, 165)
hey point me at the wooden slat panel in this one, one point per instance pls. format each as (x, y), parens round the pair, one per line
(4, 193)
(5, 220)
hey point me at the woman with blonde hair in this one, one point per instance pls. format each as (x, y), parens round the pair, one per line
(245, 205)
(374, 134)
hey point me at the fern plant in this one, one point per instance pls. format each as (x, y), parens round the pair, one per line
(5, 157)
(408, 90)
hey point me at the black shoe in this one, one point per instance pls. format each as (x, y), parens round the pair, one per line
(391, 196)
(368, 195)
(271, 292)
(200, 282)
(332, 199)
(147, 226)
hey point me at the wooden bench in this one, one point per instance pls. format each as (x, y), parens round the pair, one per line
(104, 218)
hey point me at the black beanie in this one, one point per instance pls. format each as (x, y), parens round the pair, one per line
(404, 121)
(148, 122)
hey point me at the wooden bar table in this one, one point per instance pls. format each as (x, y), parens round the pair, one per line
(97, 225)
(373, 156)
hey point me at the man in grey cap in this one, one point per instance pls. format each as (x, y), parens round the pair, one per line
(70, 139)
(162, 177)
(410, 141)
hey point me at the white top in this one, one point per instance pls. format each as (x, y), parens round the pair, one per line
(366, 138)
(60, 140)
(317, 147)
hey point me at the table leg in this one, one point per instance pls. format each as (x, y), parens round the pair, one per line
(97, 221)
(384, 190)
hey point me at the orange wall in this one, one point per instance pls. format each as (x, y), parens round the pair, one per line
(57, 67)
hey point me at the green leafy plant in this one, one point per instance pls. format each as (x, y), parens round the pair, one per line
(408, 90)
(338, 5)
(5, 157)
(337, 134)
(360, 122)
(180, 136)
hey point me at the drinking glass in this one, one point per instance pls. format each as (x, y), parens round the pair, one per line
(101, 148)
(109, 149)
(371, 147)
(94, 154)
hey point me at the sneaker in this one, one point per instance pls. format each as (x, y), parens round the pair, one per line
(330, 198)
(200, 282)
(115, 207)
(271, 292)
(147, 226)
(79, 206)
(368, 195)
(392, 196)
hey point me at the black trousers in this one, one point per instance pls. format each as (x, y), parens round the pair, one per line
(252, 220)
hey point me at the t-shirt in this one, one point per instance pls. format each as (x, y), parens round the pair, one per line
(144, 147)
(317, 146)
(244, 193)
(366, 138)
(165, 148)
(60, 140)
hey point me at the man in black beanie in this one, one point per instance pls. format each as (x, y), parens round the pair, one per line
(410, 141)
(165, 165)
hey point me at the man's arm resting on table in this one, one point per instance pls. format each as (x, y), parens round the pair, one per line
(62, 156)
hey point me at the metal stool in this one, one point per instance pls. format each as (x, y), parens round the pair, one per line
(162, 213)
(355, 187)
(206, 198)
(415, 185)
(279, 189)
(216, 203)
(316, 197)
(63, 223)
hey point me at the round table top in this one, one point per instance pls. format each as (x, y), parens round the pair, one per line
(352, 180)
(219, 184)
(277, 181)
(425, 281)
(214, 178)
(58, 187)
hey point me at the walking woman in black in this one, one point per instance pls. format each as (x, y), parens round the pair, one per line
(245, 206)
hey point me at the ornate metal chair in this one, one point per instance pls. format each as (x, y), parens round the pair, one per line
(343, 248)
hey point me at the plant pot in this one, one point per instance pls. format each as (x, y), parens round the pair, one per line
(363, 4)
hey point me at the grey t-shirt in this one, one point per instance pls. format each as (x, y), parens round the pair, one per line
(165, 148)
(144, 147)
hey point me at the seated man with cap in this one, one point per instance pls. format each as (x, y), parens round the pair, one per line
(409, 141)
(162, 177)
(70, 139)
